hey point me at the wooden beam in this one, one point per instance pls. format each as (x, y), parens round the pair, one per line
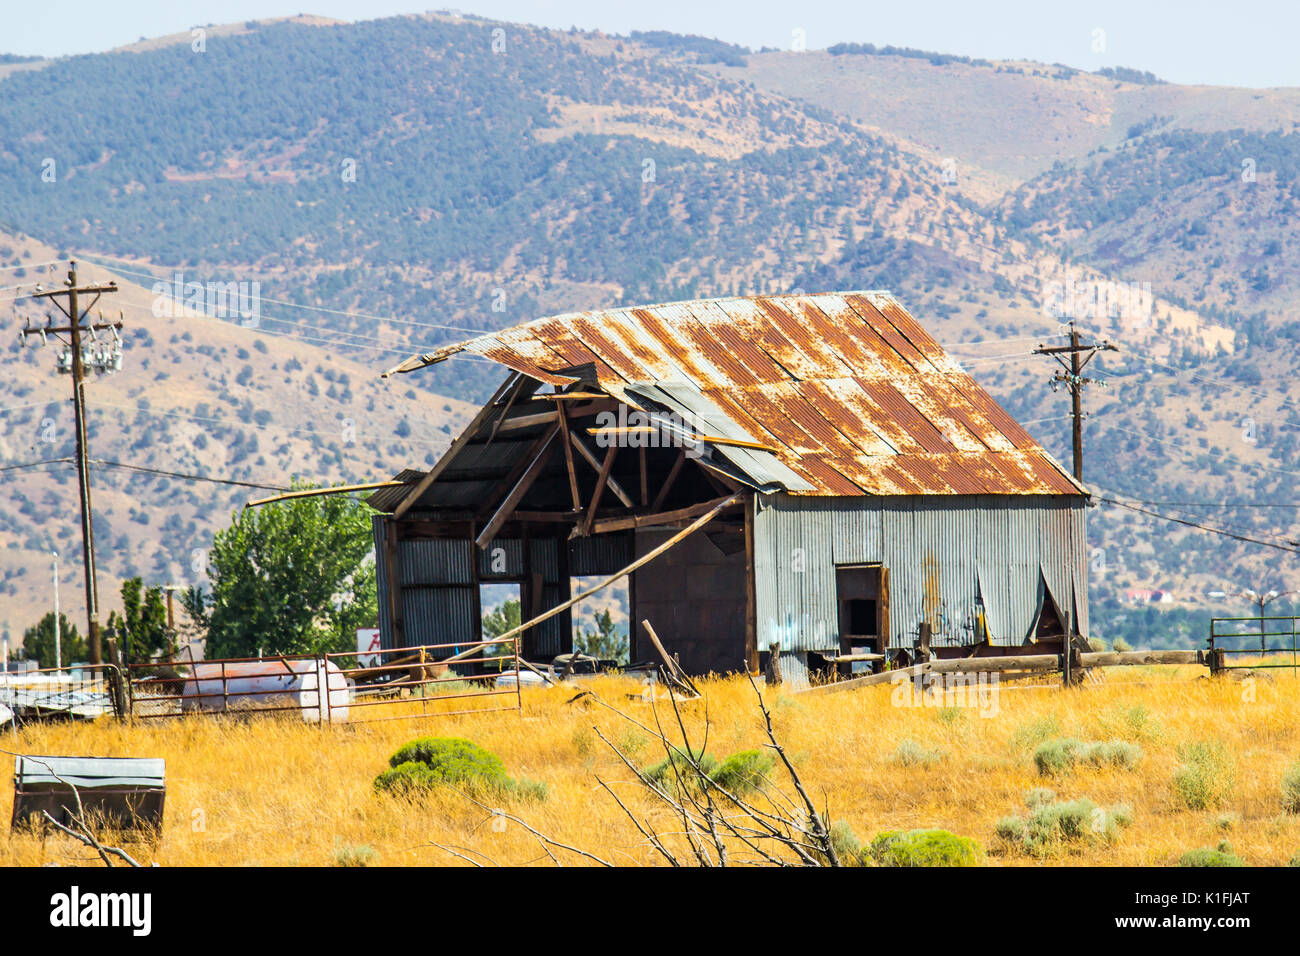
(514, 394)
(622, 572)
(601, 480)
(336, 490)
(658, 518)
(1122, 658)
(595, 463)
(504, 485)
(613, 431)
(470, 431)
(1026, 664)
(668, 482)
(396, 626)
(568, 458)
(545, 418)
(645, 479)
(562, 396)
(517, 493)
(552, 517)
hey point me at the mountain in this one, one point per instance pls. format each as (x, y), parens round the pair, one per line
(405, 182)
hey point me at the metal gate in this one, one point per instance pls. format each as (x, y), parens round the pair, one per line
(405, 683)
(1254, 643)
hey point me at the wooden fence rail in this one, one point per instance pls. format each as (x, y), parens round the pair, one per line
(1019, 666)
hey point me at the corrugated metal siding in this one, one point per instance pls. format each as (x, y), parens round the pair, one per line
(1079, 536)
(444, 615)
(381, 581)
(794, 570)
(941, 553)
(503, 558)
(437, 561)
(600, 554)
(544, 559)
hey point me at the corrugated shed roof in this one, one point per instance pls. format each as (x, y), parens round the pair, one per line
(854, 395)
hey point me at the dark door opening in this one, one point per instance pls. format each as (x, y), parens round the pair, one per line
(862, 595)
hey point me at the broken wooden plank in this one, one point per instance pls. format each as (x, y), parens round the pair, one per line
(517, 493)
(464, 438)
(624, 523)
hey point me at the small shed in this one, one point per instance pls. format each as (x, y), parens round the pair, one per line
(874, 502)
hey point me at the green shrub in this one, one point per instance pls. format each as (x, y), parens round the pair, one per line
(1035, 732)
(924, 848)
(1038, 796)
(912, 754)
(1053, 826)
(360, 855)
(847, 845)
(432, 762)
(1055, 756)
(1205, 778)
(1291, 789)
(1063, 754)
(1221, 855)
(676, 769)
(744, 771)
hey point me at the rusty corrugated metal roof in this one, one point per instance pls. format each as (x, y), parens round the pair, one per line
(856, 397)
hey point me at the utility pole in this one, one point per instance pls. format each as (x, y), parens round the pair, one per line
(74, 359)
(1072, 377)
(1262, 599)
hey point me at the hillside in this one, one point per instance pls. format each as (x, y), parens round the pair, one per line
(196, 396)
(457, 174)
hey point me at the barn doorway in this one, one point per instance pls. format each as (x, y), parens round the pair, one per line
(862, 596)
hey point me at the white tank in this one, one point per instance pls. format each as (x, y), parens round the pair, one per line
(270, 685)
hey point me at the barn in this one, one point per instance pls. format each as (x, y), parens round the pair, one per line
(867, 502)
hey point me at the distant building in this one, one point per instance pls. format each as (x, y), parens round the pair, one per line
(884, 502)
(1141, 596)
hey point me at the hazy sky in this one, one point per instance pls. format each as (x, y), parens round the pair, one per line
(1247, 43)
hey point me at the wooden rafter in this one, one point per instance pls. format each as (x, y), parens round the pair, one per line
(536, 461)
(595, 463)
(470, 431)
(601, 480)
(668, 482)
(568, 458)
(645, 479)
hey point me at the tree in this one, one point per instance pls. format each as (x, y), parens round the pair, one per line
(502, 618)
(605, 642)
(141, 628)
(38, 642)
(293, 577)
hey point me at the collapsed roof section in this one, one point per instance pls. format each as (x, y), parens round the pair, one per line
(839, 394)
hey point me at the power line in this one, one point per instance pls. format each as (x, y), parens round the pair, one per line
(1174, 443)
(33, 464)
(30, 265)
(234, 422)
(1290, 547)
(313, 308)
(177, 474)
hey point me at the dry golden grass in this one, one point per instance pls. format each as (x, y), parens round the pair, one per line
(269, 791)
